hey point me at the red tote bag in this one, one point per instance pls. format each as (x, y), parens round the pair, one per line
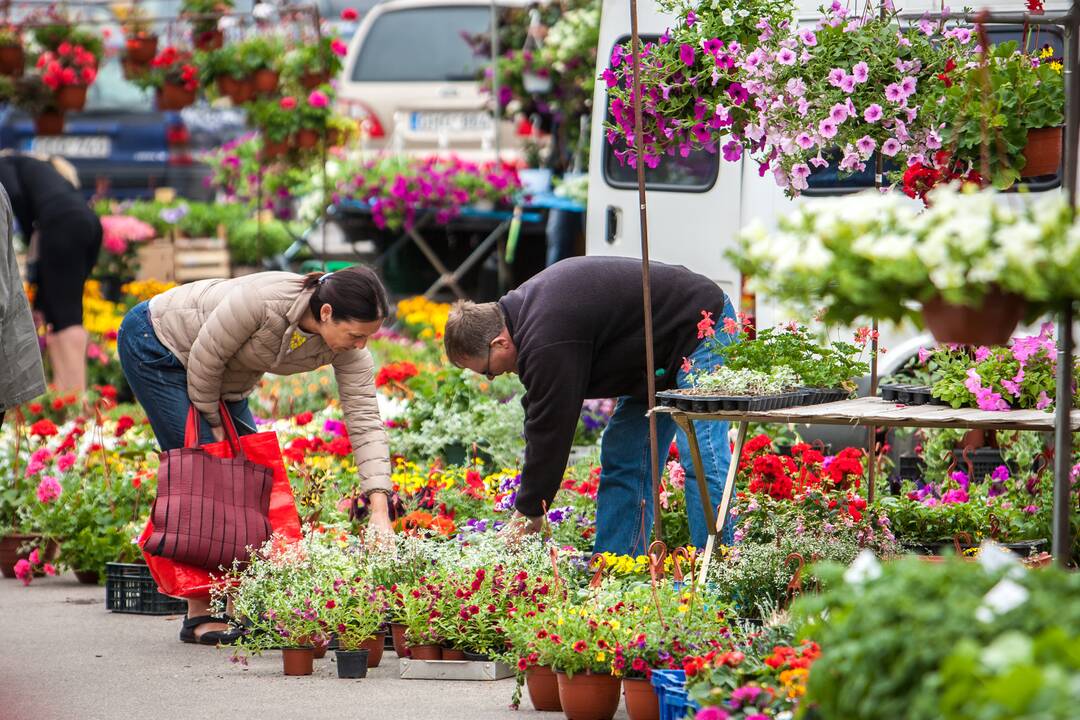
(181, 580)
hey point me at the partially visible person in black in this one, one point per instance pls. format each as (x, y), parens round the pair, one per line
(576, 331)
(46, 201)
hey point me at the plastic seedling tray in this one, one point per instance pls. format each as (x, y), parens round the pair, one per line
(453, 670)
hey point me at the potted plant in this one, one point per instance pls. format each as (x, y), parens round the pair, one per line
(205, 16)
(140, 42)
(418, 608)
(277, 121)
(68, 72)
(314, 64)
(583, 656)
(118, 261)
(354, 612)
(12, 55)
(260, 56)
(30, 94)
(1002, 117)
(59, 29)
(174, 77)
(313, 115)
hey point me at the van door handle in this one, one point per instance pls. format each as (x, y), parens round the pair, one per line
(611, 224)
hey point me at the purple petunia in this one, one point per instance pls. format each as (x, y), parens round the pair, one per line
(785, 57)
(861, 72)
(890, 147)
(737, 93)
(866, 145)
(872, 114)
(827, 128)
(686, 54)
(894, 93)
(808, 37)
(732, 151)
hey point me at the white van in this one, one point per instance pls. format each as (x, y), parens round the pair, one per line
(697, 205)
(411, 78)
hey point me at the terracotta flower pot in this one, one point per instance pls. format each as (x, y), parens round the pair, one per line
(209, 40)
(452, 654)
(306, 139)
(990, 323)
(543, 689)
(265, 81)
(298, 661)
(11, 554)
(12, 60)
(311, 80)
(272, 150)
(641, 700)
(49, 123)
(397, 632)
(425, 652)
(1042, 154)
(174, 97)
(88, 577)
(238, 91)
(71, 97)
(588, 696)
(374, 646)
(142, 49)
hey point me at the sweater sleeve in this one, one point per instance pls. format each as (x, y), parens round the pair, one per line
(555, 382)
(229, 326)
(355, 373)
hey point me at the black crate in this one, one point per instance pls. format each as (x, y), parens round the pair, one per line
(911, 468)
(130, 588)
(984, 461)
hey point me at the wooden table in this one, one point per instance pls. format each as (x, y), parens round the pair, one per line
(866, 411)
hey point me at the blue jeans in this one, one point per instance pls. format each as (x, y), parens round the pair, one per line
(625, 478)
(159, 382)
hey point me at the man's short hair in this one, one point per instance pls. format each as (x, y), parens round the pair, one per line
(470, 328)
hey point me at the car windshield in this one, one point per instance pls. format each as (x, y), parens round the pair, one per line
(112, 92)
(422, 45)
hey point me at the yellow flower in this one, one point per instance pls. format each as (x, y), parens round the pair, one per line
(683, 608)
(615, 625)
(600, 656)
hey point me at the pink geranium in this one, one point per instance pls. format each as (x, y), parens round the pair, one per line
(120, 230)
(48, 489)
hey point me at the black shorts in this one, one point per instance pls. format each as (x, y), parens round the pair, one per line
(68, 247)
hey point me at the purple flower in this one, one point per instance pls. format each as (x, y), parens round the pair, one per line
(866, 145)
(558, 515)
(799, 174)
(848, 84)
(686, 54)
(1031, 509)
(890, 147)
(961, 479)
(808, 37)
(795, 87)
(894, 93)
(732, 151)
(1044, 401)
(836, 76)
(1000, 474)
(924, 355)
(737, 93)
(691, 18)
(926, 27)
(804, 141)
(610, 78)
(861, 72)
(785, 57)
(838, 113)
(872, 114)
(907, 85)
(827, 128)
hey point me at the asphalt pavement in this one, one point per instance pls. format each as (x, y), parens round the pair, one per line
(63, 656)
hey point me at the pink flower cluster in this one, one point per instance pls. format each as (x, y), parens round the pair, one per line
(118, 231)
(24, 568)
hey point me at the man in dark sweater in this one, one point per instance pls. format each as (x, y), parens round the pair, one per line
(577, 331)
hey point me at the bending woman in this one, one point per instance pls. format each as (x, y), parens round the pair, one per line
(213, 340)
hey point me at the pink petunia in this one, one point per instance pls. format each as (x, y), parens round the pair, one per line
(836, 77)
(861, 72)
(827, 128)
(924, 355)
(894, 93)
(890, 147)
(866, 145)
(24, 571)
(808, 38)
(872, 114)
(838, 113)
(804, 141)
(848, 84)
(785, 57)
(1044, 401)
(339, 48)
(795, 87)
(686, 54)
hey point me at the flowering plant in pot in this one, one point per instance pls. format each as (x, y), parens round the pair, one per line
(30, 94)
(55, 28)
(277, 121)
(120, 237)
(174, 76)
(354, 611)
(693, 78)
(260, 59)
(992, 109)
(205, 17)
(850, 89)
(313, 116)
(140, 41)
(745, 382)
(314, 64)
(12, 55)
(68, 71)
(472, 611)
(974, 262)
(417, 608)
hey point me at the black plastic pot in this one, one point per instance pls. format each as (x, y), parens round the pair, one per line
(476, 657)
(351, 664)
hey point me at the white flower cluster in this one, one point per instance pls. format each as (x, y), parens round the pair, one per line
(725, 381)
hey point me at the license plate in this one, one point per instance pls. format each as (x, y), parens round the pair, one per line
(74, 146)
(451, 122)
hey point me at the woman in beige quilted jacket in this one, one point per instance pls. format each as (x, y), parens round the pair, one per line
(212, 341)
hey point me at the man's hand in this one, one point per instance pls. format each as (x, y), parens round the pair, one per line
(519, 526)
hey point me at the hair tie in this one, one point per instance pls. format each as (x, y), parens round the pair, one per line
(323, 278)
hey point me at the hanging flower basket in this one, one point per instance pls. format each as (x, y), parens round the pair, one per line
(49, 123)
(174, 97)
(133, 70)
(265, 81)
(71, 97)
(306, 139)
(12, 60)
(141, 49)
(990, 323)
(238, 91)
(310, 80)
(1042, 155)
(272, 150)
(209, 40)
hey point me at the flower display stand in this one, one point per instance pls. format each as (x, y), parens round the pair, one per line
(453, 670)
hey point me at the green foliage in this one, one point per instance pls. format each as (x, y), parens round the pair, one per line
(314, 58)
(834, 365)
(274, 121)
(251, 242)
(258, 52)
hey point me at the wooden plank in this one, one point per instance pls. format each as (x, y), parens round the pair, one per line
(875, 411)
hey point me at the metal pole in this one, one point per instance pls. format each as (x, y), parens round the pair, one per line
(646, 283)
(871, 465)
(1063, 422)
(495, 78)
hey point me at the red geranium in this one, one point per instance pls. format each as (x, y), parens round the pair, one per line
(69, 65)
(44, 428)
(396, 373)
(176, 68)
(304, 418)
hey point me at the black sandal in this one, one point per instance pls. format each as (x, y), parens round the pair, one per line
(212, 637)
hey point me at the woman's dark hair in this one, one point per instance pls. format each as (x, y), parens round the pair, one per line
(354, 293)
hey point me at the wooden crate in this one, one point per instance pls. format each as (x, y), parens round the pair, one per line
(200, 259)
(156, 261)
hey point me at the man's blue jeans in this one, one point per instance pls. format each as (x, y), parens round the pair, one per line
(625, 478)
(159, 382)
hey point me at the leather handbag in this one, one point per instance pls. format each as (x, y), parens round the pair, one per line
(209, 510)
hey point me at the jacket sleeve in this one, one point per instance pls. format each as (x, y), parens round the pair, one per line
(230, 325)
(355, 373)
(555, 380)
(6, 251)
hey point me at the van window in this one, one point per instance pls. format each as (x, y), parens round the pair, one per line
(422, 45)
(695, 173)
(827, 181)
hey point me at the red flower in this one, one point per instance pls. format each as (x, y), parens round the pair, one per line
(44, 428)
(1035, 7)
(35, 408)
(331, 604)
(706, 327)
(304, 418)
(349, 14)
(339, 446)
(522, 665)
(124, 424)
(580, 645)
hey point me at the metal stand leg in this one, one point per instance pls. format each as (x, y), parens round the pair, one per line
(445, 276)
(481, 251)
(729, 487)
(695, 455)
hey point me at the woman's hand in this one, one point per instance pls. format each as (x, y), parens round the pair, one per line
(218, 433)
(379, 505)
